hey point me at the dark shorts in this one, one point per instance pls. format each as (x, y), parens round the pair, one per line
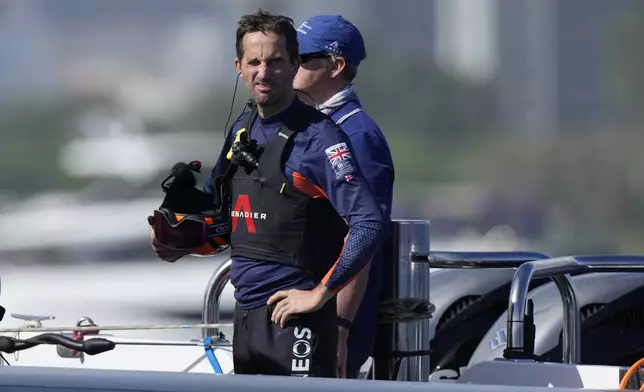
(307, 346)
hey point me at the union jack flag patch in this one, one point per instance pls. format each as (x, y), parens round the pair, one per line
(341, 160)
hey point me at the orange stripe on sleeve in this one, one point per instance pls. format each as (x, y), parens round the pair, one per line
(304, 186)
(326, 278)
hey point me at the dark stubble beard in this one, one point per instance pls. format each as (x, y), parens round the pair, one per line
(274, 101)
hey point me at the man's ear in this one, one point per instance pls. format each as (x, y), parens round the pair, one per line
(339, 64)
(238, 67)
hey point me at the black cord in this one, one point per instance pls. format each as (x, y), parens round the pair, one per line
(397, 310)
(232, 105)
(5, 360)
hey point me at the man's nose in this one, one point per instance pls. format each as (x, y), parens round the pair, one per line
(263, 69)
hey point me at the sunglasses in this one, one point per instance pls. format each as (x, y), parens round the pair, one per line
(305, 58)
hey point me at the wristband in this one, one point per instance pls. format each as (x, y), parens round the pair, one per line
(342, 322)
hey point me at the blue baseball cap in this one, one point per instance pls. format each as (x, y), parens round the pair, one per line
(331, 34)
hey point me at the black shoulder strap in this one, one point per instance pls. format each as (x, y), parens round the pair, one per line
(285, 135)
(252, 115)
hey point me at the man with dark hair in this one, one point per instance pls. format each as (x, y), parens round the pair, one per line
(304, 222)
(331, 49)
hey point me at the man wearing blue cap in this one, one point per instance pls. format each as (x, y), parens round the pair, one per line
(331, 49)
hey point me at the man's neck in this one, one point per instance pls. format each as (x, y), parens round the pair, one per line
(272, 110)
(322, 96)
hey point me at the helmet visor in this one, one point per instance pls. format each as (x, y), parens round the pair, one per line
(180, 234)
